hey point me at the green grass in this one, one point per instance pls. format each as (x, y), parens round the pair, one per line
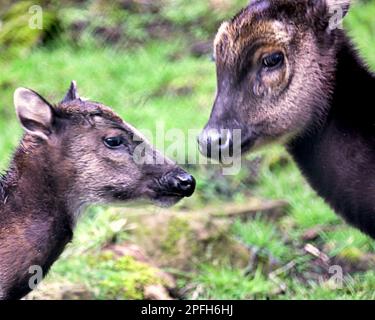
(162, 83)
(261, 234)
(230, 284)
(361, 26)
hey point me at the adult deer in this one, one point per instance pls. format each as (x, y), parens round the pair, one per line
(286, 72)
(72, 155)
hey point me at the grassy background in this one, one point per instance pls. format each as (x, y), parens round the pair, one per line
(147, 80)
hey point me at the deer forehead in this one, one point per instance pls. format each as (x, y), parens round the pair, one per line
(105, 123)
(97, 114)
(80, 108)
(233, 37)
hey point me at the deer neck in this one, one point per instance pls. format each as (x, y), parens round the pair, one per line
(337, 157)
(35, 222)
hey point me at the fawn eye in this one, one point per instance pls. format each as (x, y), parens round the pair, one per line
(113, 142)
(273, 60)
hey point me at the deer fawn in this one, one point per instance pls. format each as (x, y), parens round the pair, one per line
(285, 72)
(74, 154)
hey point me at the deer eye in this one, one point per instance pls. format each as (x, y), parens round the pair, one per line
(113, 142)
(273, 60)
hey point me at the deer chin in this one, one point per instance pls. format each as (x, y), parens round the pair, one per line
(163, 199)
(166, 201)
(160, 200)
(263, 141)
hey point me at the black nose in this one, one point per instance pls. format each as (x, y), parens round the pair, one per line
(213, 143)
(182, 184)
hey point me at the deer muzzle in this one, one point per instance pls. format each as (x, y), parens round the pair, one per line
(177, 183)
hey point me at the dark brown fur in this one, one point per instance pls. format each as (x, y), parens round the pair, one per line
(318, 101)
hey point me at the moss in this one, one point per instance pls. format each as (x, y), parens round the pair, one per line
(351, 254)
(178, 229)
(123, 278)
(185, 241)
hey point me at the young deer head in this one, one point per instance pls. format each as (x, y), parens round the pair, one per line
(275, 61)
(94, 156)
(74, 154)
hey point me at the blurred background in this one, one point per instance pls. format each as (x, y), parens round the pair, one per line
(262, 234)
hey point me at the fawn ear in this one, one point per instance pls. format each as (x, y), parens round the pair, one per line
(34, 112)
(72, 93)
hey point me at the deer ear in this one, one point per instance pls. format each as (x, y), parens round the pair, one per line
(72, 93)
(34, 112)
